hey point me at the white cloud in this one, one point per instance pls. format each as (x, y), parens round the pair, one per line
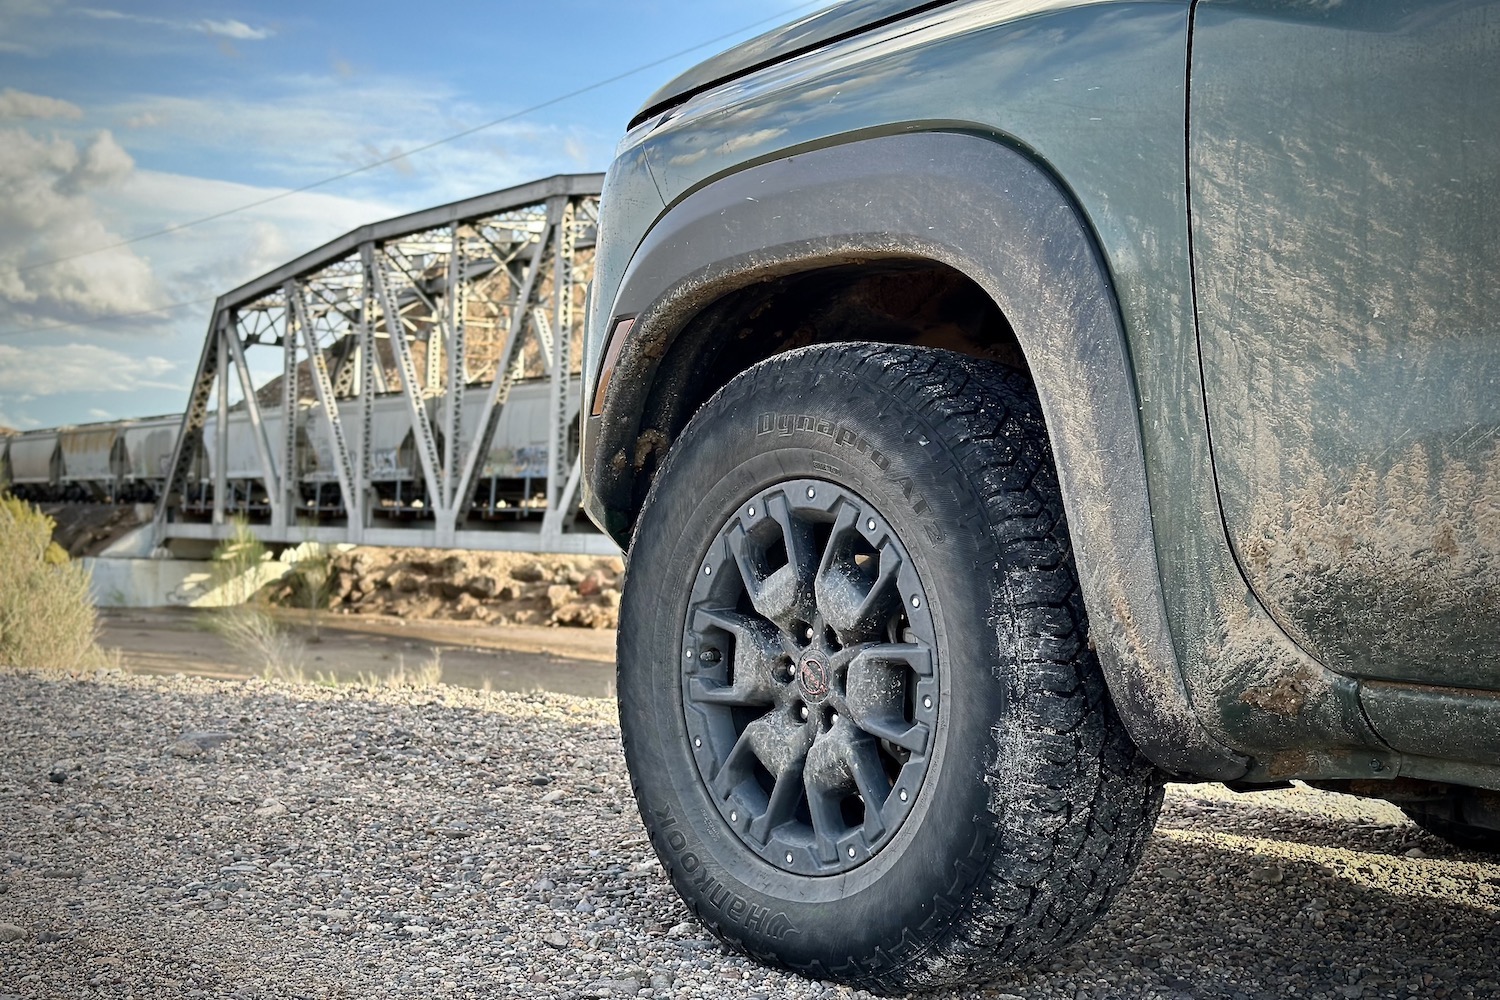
(316, 126)
(19, 104)
(49, 209)
(204, 261)
(57, 368)
(237, 30)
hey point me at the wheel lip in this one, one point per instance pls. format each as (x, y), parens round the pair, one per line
(915, 776)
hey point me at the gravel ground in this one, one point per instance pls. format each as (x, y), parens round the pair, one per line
(181, 838)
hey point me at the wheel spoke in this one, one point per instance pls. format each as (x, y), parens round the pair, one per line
(735, 768)
(883, 595)
(782, 594)
(776, 739)
(869, 777)
(851, 604)
(780, 742)
(785, 795)
(757, 653)
(828, 780)
(837, 588)
(875, 693)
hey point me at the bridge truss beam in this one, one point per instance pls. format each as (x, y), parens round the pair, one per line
(419, 385)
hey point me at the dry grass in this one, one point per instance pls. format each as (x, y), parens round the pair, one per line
(276, 652)
(245, 623)
(427, 674)
(47, 618)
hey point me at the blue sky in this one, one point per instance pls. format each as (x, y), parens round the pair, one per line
(124, 118)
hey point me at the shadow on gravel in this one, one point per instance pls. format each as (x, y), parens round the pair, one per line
(1234, 908)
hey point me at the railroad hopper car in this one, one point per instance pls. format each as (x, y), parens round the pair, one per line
(122, 461)
(509, 484)
(127, 461)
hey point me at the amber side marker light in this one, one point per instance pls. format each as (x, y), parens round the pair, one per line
(617, 336)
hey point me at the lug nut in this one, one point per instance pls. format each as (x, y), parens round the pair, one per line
(710, 655)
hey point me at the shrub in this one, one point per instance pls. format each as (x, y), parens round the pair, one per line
(47, 617)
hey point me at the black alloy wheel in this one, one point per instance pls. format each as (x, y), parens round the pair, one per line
(810, 685)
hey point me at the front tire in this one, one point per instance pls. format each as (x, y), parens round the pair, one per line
(865, 731)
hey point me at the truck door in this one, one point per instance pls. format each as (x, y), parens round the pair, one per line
(1344, 172)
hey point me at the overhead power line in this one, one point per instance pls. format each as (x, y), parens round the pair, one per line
(178, 227)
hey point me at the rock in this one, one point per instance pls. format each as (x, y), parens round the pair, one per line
(590, 585)
(684, 929)
(270, 809)
(559, 595)
(446, 589)
(1170, 874)
(10, 932)
(61, 873)
(1268, 874)
(193, 744)
(553, 796)
(531, 572)
(339, 916)
(482, 586)
(556, 940)
(1416, 852)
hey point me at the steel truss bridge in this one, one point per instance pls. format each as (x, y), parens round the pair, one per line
(418, 386)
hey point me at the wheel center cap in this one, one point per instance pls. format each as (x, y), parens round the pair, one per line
(812, 676)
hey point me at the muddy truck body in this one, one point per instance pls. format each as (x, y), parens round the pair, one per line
(1010, 405)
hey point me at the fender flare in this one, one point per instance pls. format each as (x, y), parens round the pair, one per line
(994, 214)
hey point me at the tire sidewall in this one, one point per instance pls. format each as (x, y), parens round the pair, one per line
(822, 422)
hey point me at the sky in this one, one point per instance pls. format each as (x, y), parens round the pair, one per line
(119, 119)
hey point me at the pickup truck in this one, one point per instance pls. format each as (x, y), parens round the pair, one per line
(1011, 405)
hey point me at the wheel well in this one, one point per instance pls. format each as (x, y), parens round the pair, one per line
(889, 301)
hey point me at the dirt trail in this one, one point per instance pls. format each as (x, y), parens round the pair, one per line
(351, 647)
